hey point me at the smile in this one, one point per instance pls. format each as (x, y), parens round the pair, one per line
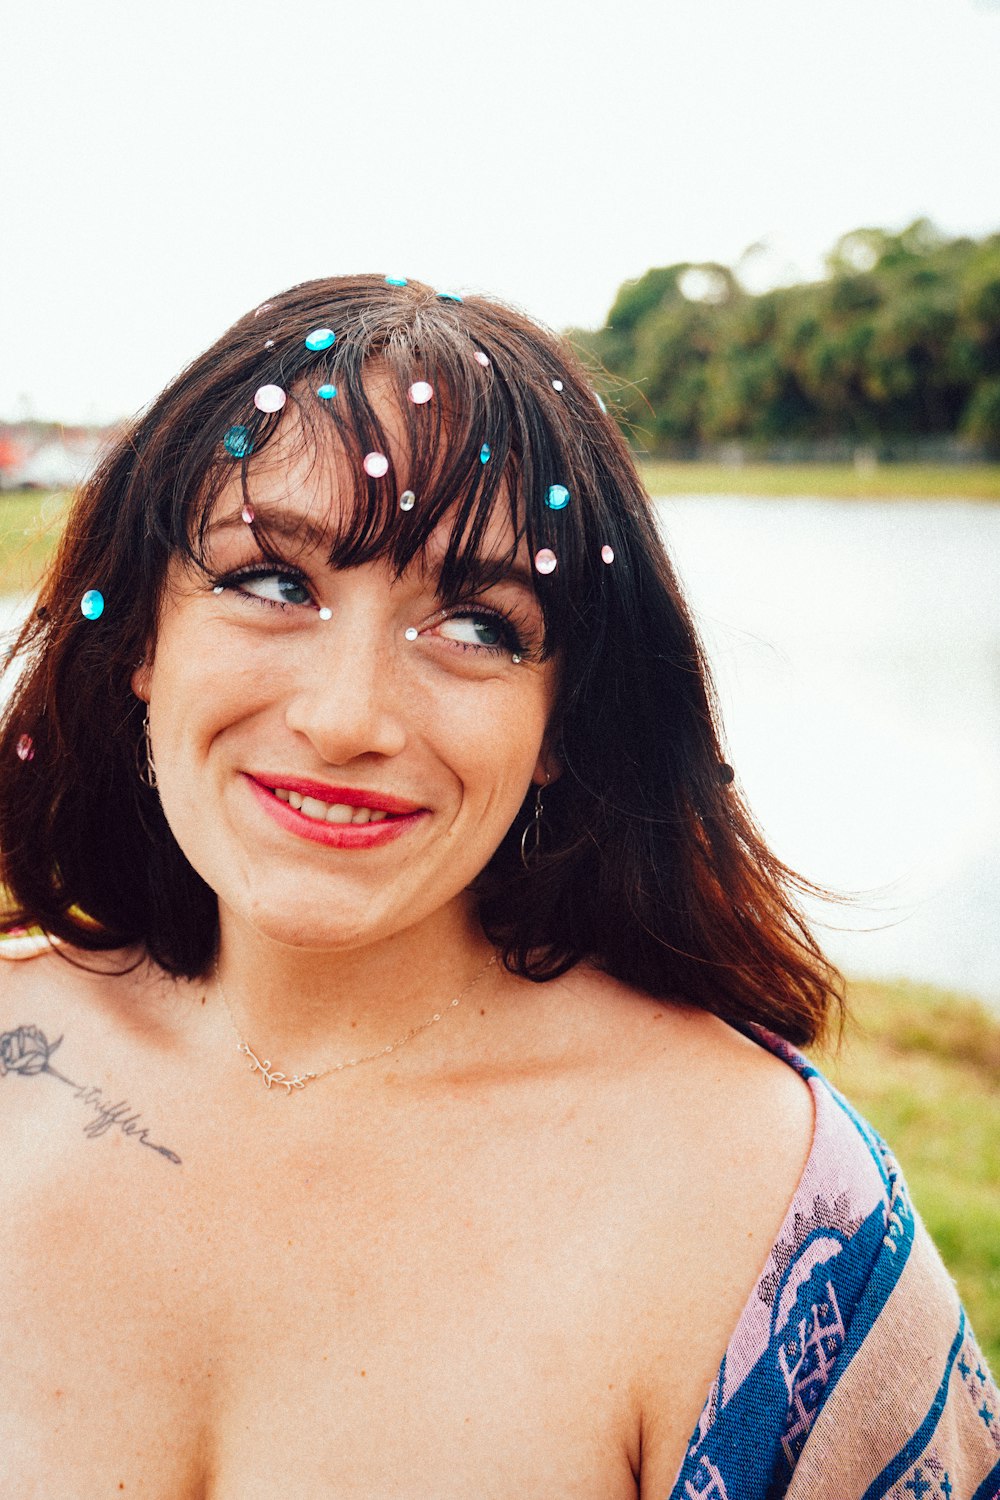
(329, 812)
(345, 818)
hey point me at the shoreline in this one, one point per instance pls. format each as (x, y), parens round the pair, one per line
(979, 483)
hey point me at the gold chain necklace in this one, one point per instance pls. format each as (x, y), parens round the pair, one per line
(271, 1076)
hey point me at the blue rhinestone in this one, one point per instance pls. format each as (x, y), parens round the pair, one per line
(557, 497)
(448, 297)
(320, 338)
(92, 604)
(395, 281)
(484, 454)
(237, 442)
(326, 392)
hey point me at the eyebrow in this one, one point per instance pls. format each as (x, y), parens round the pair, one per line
(293, 525)
(298, 526)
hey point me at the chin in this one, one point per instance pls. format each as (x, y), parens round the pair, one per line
(321, 931)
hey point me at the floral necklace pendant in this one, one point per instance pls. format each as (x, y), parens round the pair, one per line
(271, 1076)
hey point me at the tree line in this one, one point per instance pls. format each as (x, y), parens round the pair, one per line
(900, 340)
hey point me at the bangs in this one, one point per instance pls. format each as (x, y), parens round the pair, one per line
(425, 423)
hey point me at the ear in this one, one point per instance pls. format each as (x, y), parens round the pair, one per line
(548, 767)
(140, 679)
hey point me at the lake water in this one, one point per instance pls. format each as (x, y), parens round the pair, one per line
(856, 649)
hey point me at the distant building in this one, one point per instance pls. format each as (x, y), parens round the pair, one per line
(46, 456)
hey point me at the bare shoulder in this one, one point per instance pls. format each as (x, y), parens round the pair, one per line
(55, 995)
(710, 1133)
(712, 1089)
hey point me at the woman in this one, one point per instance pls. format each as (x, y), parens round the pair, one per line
(420, 1121)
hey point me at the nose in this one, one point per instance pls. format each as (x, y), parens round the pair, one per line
(348, 700)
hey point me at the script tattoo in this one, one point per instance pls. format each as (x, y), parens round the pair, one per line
(27, 1051)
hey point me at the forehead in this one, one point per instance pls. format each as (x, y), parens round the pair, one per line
(385, 492)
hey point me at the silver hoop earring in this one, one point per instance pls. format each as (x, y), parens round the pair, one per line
(147, 772)
(531, 838)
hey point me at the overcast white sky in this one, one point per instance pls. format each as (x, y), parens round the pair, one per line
(164, 167)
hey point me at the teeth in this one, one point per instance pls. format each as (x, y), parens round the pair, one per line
(328, 812)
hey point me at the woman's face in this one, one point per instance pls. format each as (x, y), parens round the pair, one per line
(339, 753)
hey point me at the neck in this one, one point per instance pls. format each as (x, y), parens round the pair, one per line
(312, 1007)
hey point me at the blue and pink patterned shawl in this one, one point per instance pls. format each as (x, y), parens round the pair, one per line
(852, 1373)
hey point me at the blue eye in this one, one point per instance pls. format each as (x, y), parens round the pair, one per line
(276, 588)
(473, 630)
(268, 587)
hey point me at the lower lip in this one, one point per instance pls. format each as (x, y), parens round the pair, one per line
(334, 835)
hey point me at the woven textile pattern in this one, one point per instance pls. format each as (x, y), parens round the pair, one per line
(852, 1373)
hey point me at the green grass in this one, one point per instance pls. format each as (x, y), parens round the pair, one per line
(922, 1065)
(825, 481)
(30, 523)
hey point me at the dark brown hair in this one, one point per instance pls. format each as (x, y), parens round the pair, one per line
(650, 865)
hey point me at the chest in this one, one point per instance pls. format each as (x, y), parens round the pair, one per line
(402, 1308)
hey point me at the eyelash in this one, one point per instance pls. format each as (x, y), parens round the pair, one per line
(252, 573)
(512, 640)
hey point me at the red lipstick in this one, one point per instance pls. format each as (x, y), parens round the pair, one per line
(348, 796)
(401, 817)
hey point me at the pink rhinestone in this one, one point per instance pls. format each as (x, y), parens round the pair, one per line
(546, 560)
(483, 359)
(376, 464)
(269, 398)
(26, 748)
(607, 553)
(247, 514)
(420, 392)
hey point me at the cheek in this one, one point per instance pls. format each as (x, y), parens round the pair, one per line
(494, 746)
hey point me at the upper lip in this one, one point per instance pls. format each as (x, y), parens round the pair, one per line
(349, 796)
